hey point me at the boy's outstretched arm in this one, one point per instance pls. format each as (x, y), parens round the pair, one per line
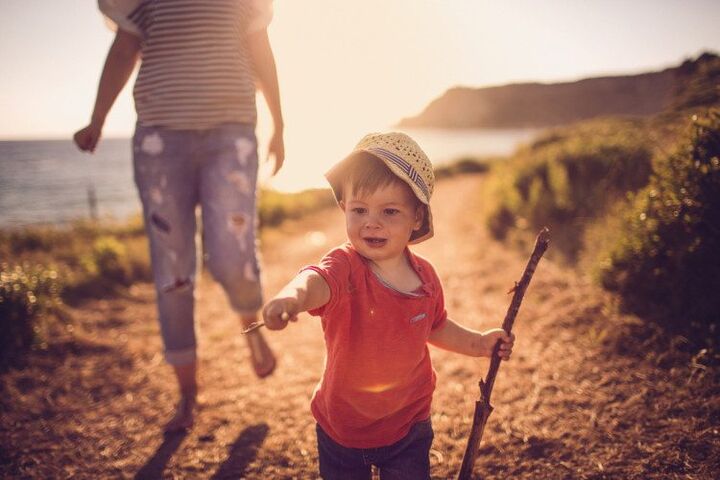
(308, 290)
(456, 338)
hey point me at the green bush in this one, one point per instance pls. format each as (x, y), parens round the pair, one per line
(666, 257)
(699, 80)
(107, 262)
(32, 239)
(25, 292)
(110, 257)
(275, 207)
(56, 265)
(463, 165)
(567, 178)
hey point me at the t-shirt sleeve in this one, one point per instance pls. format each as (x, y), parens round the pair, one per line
(261, 13)
(440, 315)
(335, 270)
(123, 14)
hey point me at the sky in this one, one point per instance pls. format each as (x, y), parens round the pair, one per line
(349, 66)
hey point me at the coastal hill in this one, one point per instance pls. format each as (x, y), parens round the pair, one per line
(544, 105)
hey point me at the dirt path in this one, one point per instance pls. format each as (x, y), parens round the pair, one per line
(567, 406)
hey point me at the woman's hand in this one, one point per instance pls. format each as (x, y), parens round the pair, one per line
(276, 150)
(87, 138)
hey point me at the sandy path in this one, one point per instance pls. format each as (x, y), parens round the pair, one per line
(565, 407)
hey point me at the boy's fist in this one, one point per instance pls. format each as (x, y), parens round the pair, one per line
(279, 311)
(506, 342)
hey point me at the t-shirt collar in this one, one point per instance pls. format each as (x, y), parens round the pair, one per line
(426, 287)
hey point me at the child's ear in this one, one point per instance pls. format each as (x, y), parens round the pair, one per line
(419, 216)
(342, 205)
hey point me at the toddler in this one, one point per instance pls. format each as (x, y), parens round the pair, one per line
(380, 306)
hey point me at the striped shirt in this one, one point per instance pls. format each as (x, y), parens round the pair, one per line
(196, 72)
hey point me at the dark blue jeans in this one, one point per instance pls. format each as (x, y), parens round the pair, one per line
(408, 458)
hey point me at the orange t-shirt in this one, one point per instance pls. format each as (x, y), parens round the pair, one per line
(378, 378)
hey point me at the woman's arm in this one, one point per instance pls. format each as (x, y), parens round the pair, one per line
(263, 60)
(119, 64)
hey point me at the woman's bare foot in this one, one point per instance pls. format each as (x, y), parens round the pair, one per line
(184, 415)
(262, 358)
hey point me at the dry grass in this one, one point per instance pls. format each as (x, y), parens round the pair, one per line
(588, 394)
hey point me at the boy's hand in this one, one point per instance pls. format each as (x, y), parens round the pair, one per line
(279, 311)
(491, 337)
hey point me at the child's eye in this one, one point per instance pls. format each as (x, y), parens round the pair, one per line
(391, 211)
(359, 210)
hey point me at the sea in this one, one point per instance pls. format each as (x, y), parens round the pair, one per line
(52, 182)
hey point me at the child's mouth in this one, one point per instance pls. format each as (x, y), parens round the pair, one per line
(375, 242)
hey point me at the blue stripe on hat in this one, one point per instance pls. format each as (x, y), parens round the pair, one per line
(414, 176)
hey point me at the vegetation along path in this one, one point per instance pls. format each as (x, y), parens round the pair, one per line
(587, 393)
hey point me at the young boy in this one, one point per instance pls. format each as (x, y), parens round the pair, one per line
(380, 305)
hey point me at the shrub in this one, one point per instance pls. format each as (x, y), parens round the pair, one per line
(666, 258)
(463, 165)
(53, 265)
(138, 259)
(697, 82)
(25, 292)
(37, 239)
(567, 178)
(110, 260)
(274, 207)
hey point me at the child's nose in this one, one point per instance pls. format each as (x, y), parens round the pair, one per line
(372, 221)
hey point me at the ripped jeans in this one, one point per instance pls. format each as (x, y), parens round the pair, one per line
(176, 170)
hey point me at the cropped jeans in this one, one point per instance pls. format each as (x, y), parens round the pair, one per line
(175, 171)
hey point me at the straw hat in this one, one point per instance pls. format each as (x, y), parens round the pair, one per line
(404, 157)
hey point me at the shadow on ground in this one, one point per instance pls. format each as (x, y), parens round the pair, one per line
(242, 452)
(156, 464)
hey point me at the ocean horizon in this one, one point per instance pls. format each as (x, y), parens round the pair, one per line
(52, 182)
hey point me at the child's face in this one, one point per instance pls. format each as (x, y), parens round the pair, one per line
(379, 224)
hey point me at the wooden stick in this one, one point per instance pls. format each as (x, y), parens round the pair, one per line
(482, 406)
(255, 325)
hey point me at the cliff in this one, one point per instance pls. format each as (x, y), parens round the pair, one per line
(692, 83)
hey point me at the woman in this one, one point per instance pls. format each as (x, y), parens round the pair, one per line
(195, 144)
